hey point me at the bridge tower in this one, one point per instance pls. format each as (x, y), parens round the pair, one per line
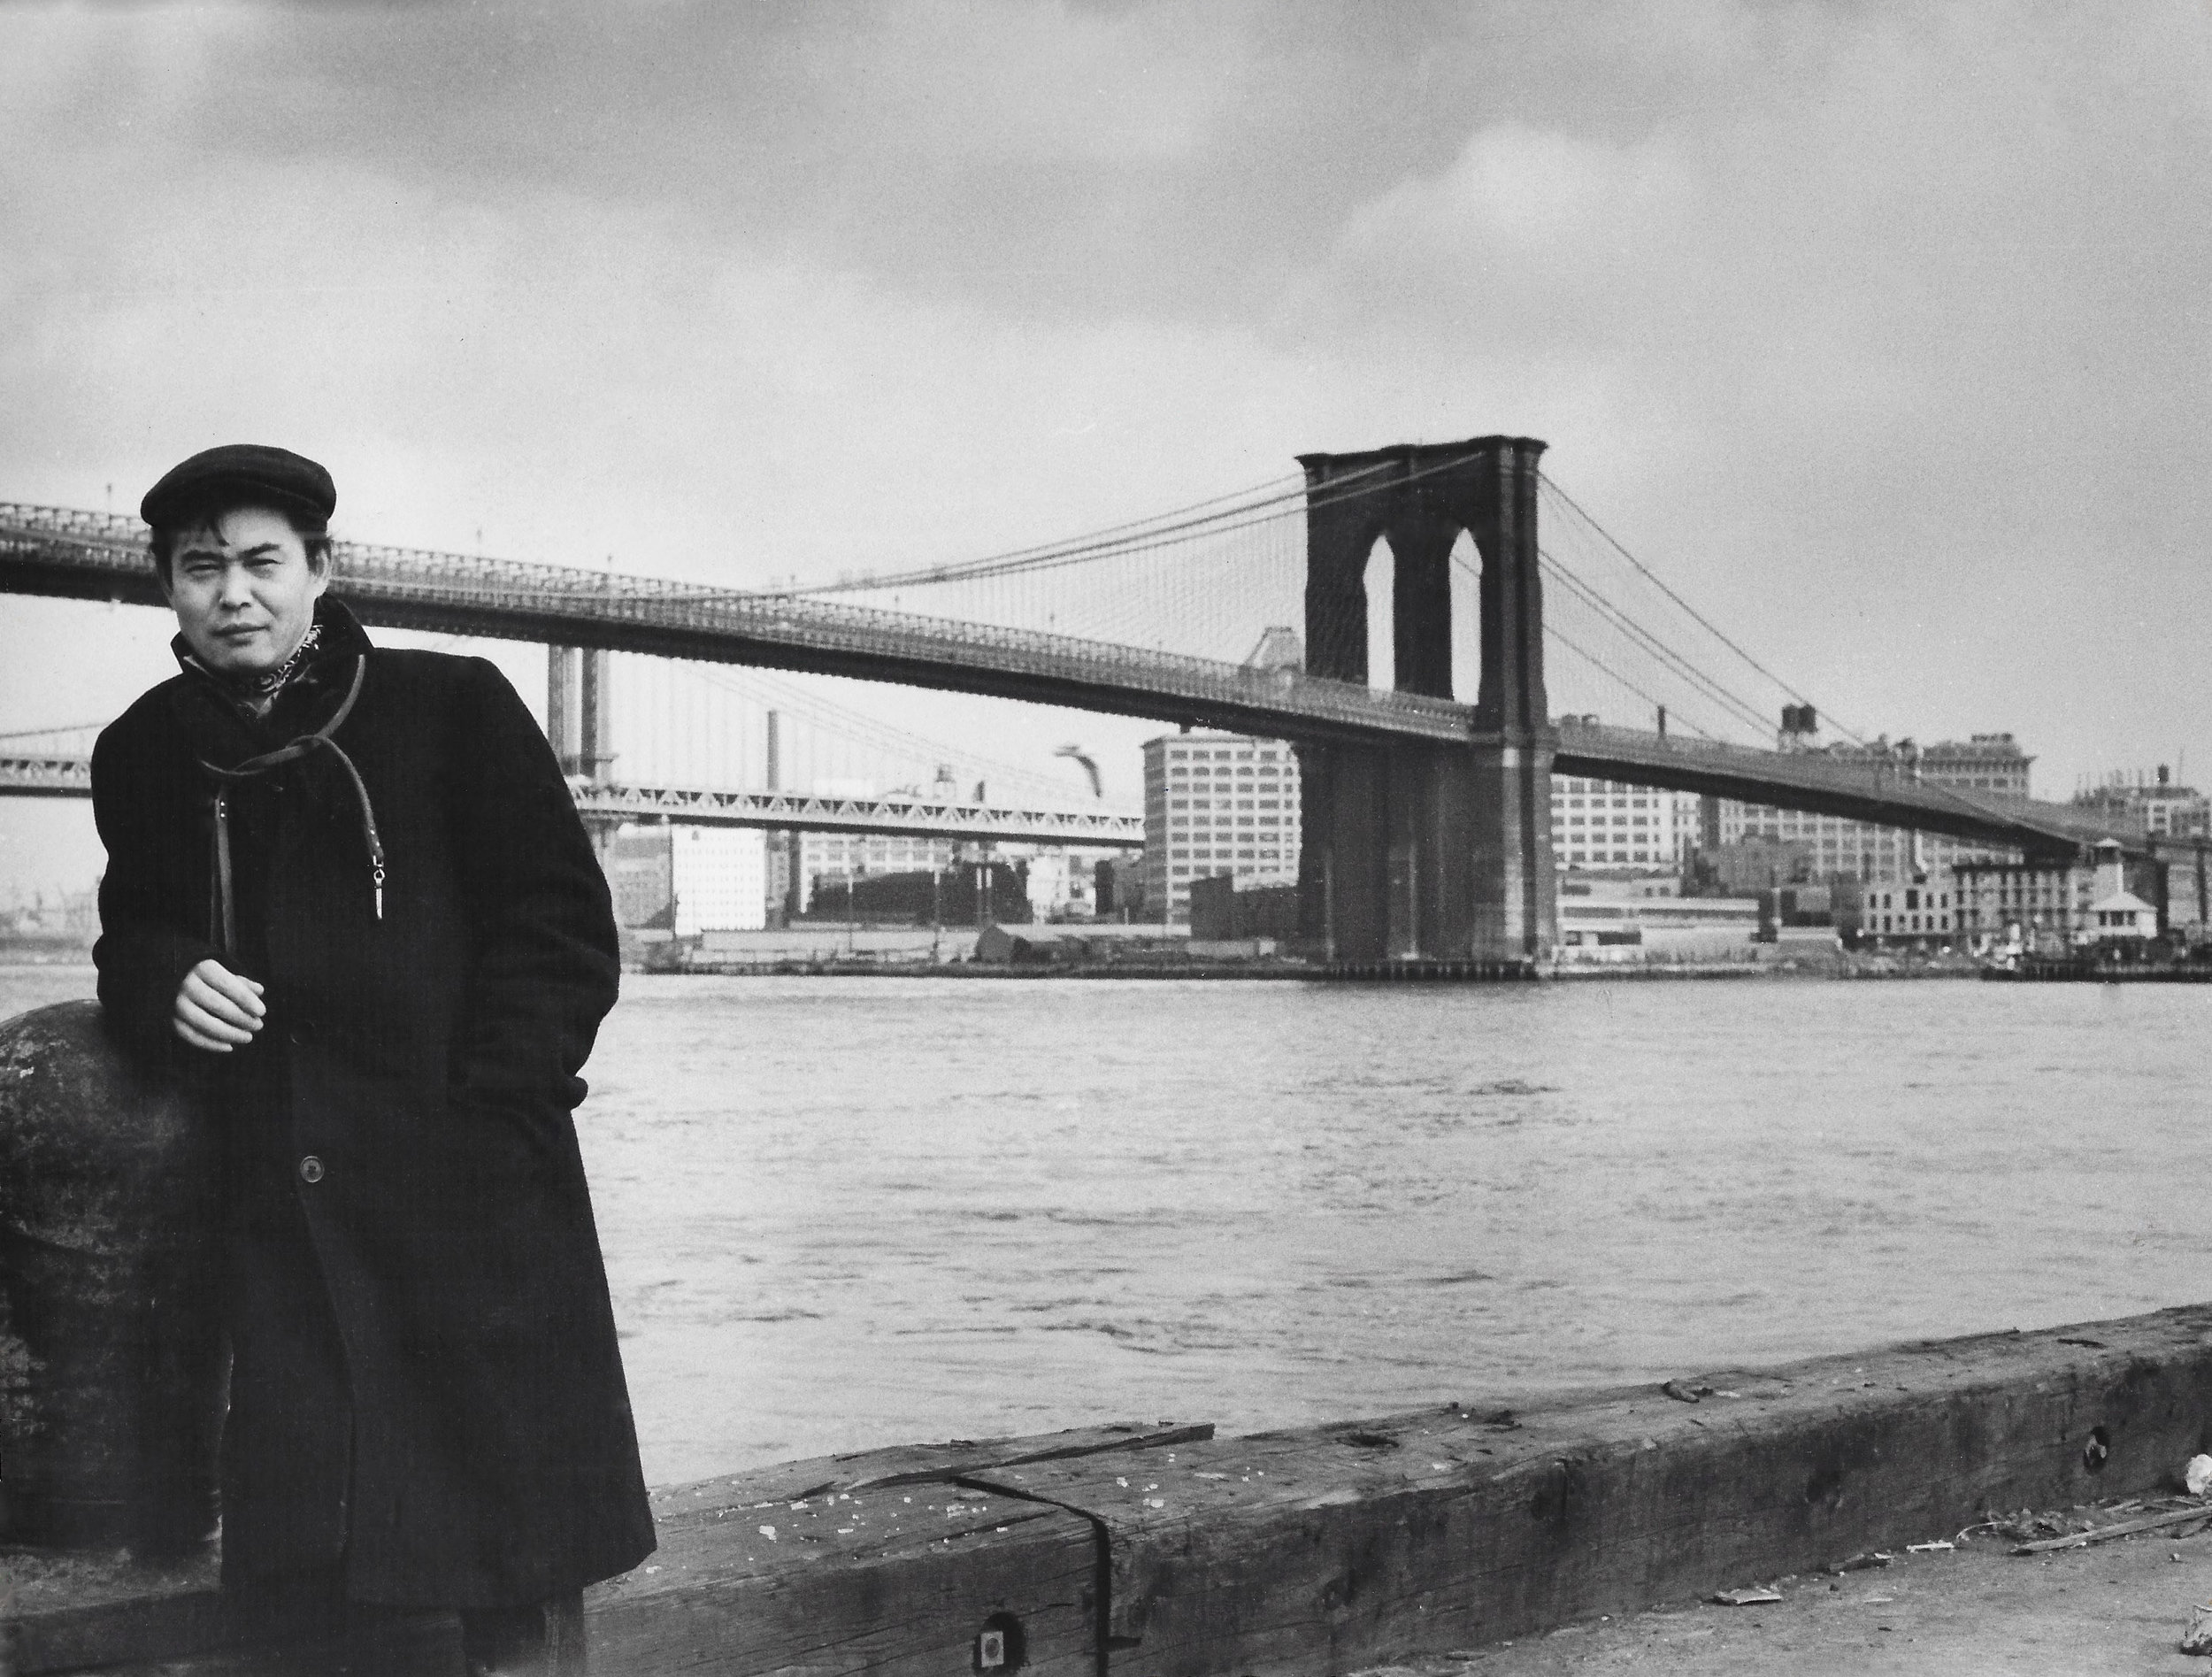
(580, 723)
(1418, 852)
(580, 709)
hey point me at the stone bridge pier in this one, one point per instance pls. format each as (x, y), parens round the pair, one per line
(1415, 851)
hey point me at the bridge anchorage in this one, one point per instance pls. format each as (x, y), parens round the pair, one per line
(1421, 849)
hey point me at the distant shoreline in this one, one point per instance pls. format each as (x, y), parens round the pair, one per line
(1288, 972)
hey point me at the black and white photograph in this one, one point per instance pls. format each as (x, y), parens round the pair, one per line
(1117, 838)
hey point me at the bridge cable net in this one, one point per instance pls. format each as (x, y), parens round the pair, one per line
(1631, 632)
(679, 723)
(1203, 584)
(1200, 580)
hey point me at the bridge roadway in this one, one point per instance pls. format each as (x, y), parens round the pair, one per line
(1864, 789)
(703, 806)
(78, 555)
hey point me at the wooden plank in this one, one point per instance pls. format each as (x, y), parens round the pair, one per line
(911, 1464)
(1334, 1546)
(77, 1612)
(889, 1583)
(1324, 1550)
(894, 1582)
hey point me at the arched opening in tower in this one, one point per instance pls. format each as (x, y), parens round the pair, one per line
(1465, 571)
(1380, 581)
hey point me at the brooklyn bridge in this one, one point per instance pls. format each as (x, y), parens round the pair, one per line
(1414, 690)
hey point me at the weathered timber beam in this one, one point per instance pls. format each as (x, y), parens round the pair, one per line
(879, 1562)
(1325, 1549)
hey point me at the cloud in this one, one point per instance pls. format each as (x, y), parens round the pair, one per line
(1879, 328)
(1896, 352)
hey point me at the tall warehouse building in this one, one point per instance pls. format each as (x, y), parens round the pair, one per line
(719, 879)
(1216, 803)
(1613, 826)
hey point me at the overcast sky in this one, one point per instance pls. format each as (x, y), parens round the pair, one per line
(1879, 329)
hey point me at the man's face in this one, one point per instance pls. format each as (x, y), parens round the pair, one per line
(244, 590)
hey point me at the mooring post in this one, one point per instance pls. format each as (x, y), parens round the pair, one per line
(111, 1372)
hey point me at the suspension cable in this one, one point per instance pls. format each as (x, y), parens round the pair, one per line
(1604, 669)
(66, 728)
(1147, 535)
(1743, 711)
(1649, 575)
(1134, 536)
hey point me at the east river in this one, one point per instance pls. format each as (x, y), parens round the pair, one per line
(841, 1212)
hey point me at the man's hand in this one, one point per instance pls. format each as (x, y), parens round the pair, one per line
(216, 1008)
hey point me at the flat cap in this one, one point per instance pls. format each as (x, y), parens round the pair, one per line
(239, 474)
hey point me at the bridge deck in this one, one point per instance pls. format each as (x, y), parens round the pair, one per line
(1880, 791)
(93, 555)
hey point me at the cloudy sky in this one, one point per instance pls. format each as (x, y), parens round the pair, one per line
(1879, 329)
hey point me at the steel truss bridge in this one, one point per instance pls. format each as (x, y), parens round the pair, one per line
(701, 806)
(78, 555)
(923, 817)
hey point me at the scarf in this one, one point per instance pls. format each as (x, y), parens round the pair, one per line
(255, 696)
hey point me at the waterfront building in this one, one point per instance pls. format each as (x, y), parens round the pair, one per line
(1650, 915)
(719, 877)
(1608, 824)
(637, 860)
(1217, 804)
(2033, 904)
(826, 861)
(1986, 763)
(2156, 803)
(1908, 910)
(2042, 907)
(1063, 883)
(2122, 915)
(1221, 913)
(1751, 865)
(968, 893)
(1117, 887)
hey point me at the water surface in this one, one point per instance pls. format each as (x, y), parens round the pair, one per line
(847, 1211)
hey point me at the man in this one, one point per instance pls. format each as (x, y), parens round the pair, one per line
(348, 896)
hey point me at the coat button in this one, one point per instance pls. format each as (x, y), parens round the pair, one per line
(303, 1033)
(311, 1169)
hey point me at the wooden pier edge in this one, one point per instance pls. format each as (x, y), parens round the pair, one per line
(1167, 1552)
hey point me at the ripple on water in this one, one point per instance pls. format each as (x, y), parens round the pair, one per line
(840, 1213)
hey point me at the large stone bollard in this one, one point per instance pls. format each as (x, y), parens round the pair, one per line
(111, 1369)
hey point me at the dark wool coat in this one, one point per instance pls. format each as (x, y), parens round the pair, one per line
(426, 1387)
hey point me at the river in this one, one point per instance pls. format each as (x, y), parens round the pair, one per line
(841, 1212)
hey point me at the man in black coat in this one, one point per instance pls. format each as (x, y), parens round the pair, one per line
(348, 895)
